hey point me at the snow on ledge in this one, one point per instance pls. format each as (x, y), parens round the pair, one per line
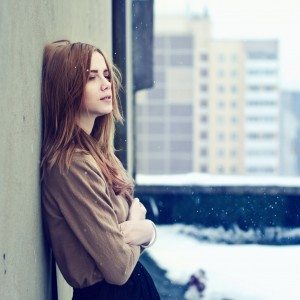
(201, 179)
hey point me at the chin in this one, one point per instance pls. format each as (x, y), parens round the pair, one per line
(105, 112)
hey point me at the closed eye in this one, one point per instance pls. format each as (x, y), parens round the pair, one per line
(108, 77)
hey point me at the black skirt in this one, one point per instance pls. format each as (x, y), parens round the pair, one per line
(139, 286)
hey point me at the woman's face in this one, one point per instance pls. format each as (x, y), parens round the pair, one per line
(97, 92)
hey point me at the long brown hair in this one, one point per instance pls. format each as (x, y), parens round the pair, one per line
(64, 76)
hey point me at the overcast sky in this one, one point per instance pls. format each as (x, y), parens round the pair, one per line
(251, 19)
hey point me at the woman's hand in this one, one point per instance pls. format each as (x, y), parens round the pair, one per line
(137, 210)
(137, 232)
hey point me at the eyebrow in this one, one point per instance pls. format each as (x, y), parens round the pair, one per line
(96, 71)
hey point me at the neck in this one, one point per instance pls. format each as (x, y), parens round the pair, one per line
(86, 123)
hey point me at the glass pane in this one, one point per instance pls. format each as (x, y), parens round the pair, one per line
(219, 174)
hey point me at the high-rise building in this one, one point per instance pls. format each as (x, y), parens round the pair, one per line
(262, 119)
(209, 110)
(290, 133)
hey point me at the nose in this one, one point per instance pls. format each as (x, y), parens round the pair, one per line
(105, 84)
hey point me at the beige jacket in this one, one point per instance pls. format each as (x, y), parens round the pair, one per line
(82, 213)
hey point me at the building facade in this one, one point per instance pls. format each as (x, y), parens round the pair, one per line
(214, 107)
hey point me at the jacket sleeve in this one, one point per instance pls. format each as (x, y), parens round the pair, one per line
(83, 201)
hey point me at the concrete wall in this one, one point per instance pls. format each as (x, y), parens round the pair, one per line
(25, 26)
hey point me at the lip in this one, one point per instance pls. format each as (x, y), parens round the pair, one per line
(106, 98)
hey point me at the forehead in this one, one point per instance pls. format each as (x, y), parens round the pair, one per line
(97, 61)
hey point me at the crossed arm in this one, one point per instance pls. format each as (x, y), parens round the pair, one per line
(138, 230)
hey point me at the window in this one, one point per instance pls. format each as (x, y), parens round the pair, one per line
(204, 72)
(203, 119)
(157, 128)
(221, 103)
(220, 120)
(233, 153)
(234, 119)
(157, 93)
(233, 169)
(203, 168)
(203, 87)
(221, 58)
(159, 77)
(220, 169)
(203, 151)
(221, 73)
(234, 136)
(204, 57)
(181, 110)
(234, 57)
(203, 135)
(156, 110)
(181, 127)
(181, 60)
(221, 89)
(156, 146)
(234, 103)
(221, 136)
(234, 73)
(159, 42)
(203, 103)
(220, 152)
(181, 42)
(234, 89)
(181, 146)
(159, 59)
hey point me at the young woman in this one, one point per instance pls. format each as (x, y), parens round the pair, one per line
(96, 229)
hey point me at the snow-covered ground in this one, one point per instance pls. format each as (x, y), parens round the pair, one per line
(235, 272)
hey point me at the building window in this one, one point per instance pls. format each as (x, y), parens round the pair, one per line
(203, 119)
(181, 42)
(220, 152)
(254, 88)
(270, 88)
(181, 60)
(233, 153)
(181, 110)
(157, 93)
(203, 168)
(234, 119)
(203, 151)
(220, 136)
(233, 169)
(157, 128)
(221, 58)
(220, 169)
(181, 146)
(234, 103)
(159, 76)
(203, 87)
(203, 135)
(156, 110)
(234, 73)
(234, 57)
(234, 136)
(159, 42)
(221, 88)
(204, 72)
(159, 59)
(220, 73)
(220, 120)
(221, 103)
(234, 89)
(204, 57)
(203, 103)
